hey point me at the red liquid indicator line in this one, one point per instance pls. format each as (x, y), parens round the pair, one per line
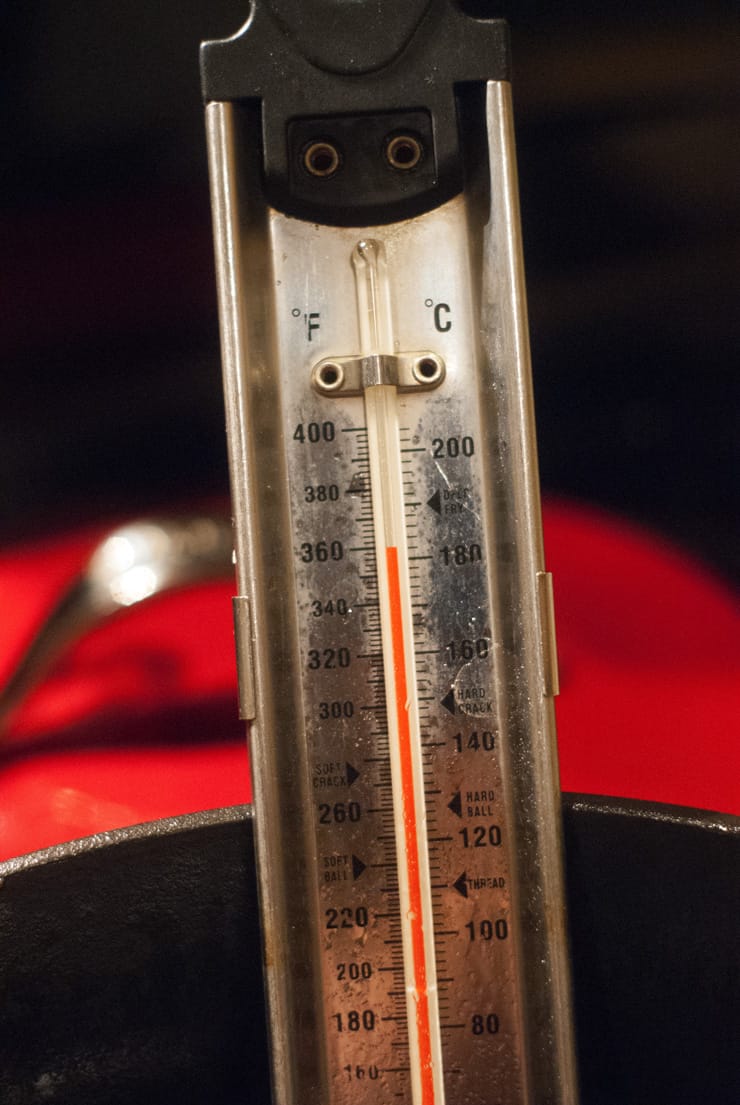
(411, 829)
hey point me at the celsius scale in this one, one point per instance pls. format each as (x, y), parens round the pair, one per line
(394, 621)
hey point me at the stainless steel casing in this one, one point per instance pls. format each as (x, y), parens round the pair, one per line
(524, 669)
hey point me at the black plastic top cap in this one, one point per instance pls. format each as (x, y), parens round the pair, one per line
(349, 36)
(293, 48)
(338, 82)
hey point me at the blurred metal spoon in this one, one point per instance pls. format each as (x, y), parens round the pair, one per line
(131, 564)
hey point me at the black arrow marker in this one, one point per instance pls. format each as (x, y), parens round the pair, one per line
(456, 804)
(352, 774)
(461, 885)
(435, 502)
(357, 867)
(449, 701)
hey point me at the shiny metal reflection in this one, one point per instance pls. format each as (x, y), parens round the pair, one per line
(131, 564)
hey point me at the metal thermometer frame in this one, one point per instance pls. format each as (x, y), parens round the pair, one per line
(525, 673)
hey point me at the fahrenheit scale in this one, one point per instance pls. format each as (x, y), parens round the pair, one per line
(394, 622)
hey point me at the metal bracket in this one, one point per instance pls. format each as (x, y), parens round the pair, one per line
(422, 371)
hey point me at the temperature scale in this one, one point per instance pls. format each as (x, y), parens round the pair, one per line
(394, 620)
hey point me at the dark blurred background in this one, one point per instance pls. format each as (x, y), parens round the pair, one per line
(628, 121)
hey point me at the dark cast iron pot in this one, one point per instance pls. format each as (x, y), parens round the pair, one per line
(130, 969)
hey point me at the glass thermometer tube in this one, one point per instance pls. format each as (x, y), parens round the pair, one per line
(399, 663)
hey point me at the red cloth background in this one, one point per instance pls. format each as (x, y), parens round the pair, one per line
(139, 720)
